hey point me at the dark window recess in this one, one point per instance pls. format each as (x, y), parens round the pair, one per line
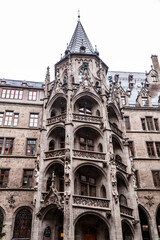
(150, 149)
(156, 124)
(158, 148)
(4, 173)
(62, 142)
(86, 144)
(131, 147)
(137, 178)
(27, 178)
(1, 145)
(88, 186)
(156, 178)
(143, 123)
(127, 123)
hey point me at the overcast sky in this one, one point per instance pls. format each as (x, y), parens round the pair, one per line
(34, 34)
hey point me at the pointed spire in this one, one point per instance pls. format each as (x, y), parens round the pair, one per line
(75, 45)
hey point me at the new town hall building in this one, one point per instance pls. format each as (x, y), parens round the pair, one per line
(80, 155)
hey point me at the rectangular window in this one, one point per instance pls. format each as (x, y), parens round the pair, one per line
(145, 101)
(1, 145)
(4, 173)
(143, 123)
(8, 146)
(149, 123)
(27, 178)
(156, 178)
(12, 94)
(158, 148)
(1, 118)
(31, 146)
(33, 121)
(32, 95)
(8, 118)
(156, 124)
(127, 123)
(16, 116)
(150, 149)
(62, 142)
(131, 147)
(137, 178)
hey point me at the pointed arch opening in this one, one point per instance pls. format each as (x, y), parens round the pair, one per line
(23, 223)
(144, 221)
(158, 220)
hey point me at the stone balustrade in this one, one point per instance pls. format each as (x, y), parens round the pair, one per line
(126, 210)
(55, 153)
(116, 130)
(89, 154)
(86, 201)
(121, 166)
(58, 118)
(87, 118)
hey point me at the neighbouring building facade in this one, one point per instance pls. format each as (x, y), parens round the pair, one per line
(80, 155)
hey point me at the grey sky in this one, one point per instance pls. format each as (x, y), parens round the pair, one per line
(34, 33)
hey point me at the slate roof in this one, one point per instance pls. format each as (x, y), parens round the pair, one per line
(20, 83)
(79, 39)
(139, 80)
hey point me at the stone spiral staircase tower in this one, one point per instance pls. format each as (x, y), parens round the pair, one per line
(86, 182)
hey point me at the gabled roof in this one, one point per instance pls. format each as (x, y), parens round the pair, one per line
(80, 39)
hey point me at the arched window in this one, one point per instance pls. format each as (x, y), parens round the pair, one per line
(100, 147)
(98, 113)
(103, 192)
(145, 227)
(123, 200)
(1, 221)
(51, 145)
(23, 222)
(118, 158)
(53, 113)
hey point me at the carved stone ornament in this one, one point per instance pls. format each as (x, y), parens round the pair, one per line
(150, 201)
(11, 201)
(113, 178)
(36, 172)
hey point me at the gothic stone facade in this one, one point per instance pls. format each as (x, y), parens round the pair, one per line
(80, 155)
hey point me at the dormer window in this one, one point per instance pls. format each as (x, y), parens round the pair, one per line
(123, 100)
(145, 101)
(82, 49)
(154, 79)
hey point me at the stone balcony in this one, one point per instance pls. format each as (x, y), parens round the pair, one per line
(116, 130)
(56, 119)
(89, 154)
(91, 202)
(87, 118)
(124, 210)
(121, 166)
(55, 153)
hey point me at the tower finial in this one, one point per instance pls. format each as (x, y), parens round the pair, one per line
(78, 15)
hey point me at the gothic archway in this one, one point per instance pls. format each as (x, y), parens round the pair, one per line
(144, 221)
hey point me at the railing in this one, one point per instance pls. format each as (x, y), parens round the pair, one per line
(121, 166)
(89, 154)
(90, 201)
(126, 210)
(58, 118)
(87, 118)
(55, 153)
(116, 130)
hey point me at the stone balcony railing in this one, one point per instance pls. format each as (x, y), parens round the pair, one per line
(89, 154)
(91, 202)
(121, 166)
(87, 118)
(55, 119)
(116, 130)
(126, 210)
(55, 153)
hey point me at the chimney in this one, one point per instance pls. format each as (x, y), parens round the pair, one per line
(155, 62)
